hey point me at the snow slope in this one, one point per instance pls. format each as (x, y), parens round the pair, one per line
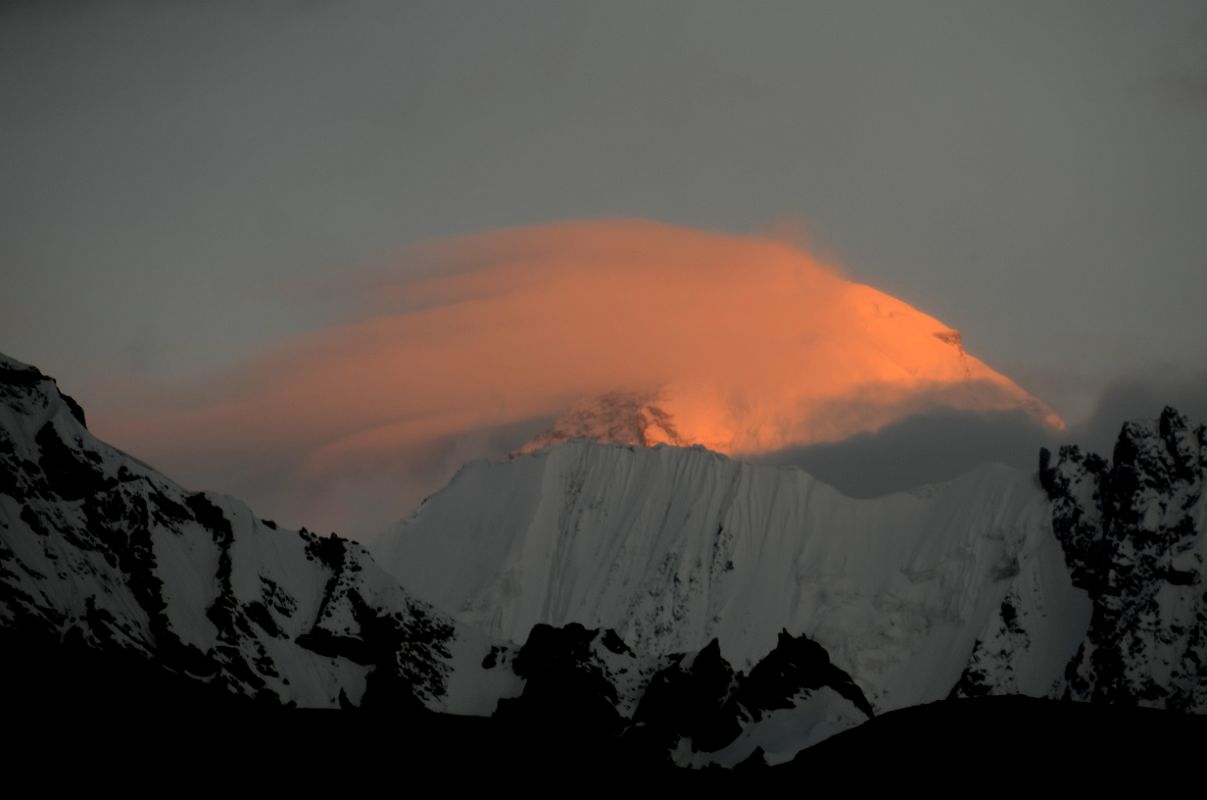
(672, 547)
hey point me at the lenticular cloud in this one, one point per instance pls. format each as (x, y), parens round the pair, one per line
(738, 343)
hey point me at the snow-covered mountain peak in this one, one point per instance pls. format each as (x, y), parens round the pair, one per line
(635, 418)
(24, 387)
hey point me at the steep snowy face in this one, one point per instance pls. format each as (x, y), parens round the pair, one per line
(1134, 532)
(674, 547)
(95, 543)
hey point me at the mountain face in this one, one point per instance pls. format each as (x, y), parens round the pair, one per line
(674, 547)
(104, 558)
(97, 543)
(1132, 530)
(1084, 582)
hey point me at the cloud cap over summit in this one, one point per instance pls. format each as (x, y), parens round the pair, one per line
(749, 344)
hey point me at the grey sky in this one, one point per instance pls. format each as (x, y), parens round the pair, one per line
(174, 176)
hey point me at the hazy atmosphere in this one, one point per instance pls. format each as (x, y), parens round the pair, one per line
(199, 199)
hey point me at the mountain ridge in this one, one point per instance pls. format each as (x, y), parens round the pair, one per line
(998, 583)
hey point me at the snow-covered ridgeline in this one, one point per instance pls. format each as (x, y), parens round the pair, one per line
(95, 541)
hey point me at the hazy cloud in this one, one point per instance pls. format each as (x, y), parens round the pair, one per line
(921, 449)
(1142, 396)
(943, 444)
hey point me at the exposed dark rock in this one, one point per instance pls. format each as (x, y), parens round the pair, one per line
(797, 663)
(566, 687)
(1129, 534)
(686, 699)
(69, 471)
(702, 699)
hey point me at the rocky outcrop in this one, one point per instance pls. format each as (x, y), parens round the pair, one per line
(685, 708)
(1133, 533)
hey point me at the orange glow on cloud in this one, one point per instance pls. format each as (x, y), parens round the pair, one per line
(752, 345)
